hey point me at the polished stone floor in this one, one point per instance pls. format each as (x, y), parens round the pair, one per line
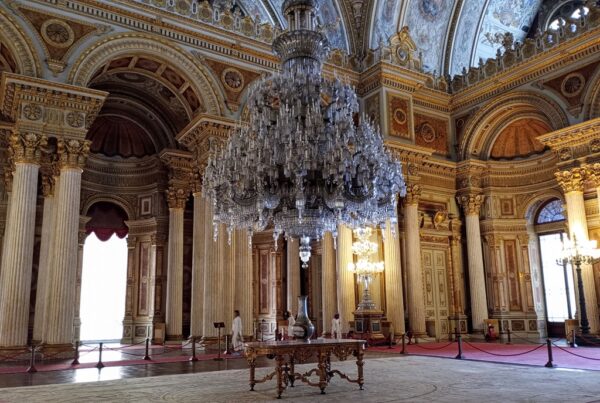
(390, 379)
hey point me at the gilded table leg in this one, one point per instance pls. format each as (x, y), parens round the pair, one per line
(359, 364)
(279, 368)
(252, 363)
(322, 371)
(291, 376)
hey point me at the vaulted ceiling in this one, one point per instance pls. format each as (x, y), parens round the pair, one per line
(451, 34)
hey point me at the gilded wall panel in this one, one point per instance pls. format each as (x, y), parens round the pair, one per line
(431, 132)
(399, 116)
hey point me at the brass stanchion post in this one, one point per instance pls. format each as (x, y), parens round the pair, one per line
(147, 352)
(100, 364)
(459, 356)
(76, 358)
(193, 357)
(549, 364)
(32, 367)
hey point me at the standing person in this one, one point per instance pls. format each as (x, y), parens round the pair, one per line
(291, 322)
(336, 327)
(236, 332)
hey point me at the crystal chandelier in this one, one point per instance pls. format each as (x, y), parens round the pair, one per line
(301, 163)
(364, 268)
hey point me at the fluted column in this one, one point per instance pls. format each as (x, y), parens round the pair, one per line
(63, 269)
(226, 283)
(328, 282)
(572, 184)
(345, 290)
(17, 255)
(211, 277)
(198, 265)
(48, 182)
(293, 274)
(82, 236)
(243, 280)
(176, 198)
(471, 204)
(393, 278)
(414, 270)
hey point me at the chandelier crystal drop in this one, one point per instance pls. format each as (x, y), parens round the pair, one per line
(301, 162)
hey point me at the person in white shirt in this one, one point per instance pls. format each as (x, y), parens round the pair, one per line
(336, 327)
(237, 340)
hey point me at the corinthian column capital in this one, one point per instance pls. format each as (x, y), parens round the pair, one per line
(571, 180)
(413, 194)
(593, 174)
(177, 196)
(471, 203)
(27, 147)
(73, 153)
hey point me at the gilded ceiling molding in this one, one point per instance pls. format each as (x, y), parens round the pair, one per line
(134, 43)
(592, 98)
(479, 127)
(20, 44)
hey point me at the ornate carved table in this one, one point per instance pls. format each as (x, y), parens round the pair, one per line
(287, 353)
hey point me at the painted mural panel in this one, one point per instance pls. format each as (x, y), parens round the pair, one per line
(514, 16)
(398, 116)
(385, 21)
(428, 23)
(466, 32)
(432, 133)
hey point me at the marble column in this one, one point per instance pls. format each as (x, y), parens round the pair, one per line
(393, 278)
(293, 274)
(328, 282)
(210, 311)
(81, 242)
(471, 204)
(63, 269)
(243, 280)
(17, 255)
(48, 217)
(226, 255)
(414, 270)
(345, 290)
(572, 184)
(176, 198)
(198, 265)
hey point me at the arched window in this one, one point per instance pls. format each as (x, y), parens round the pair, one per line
(551, 212)
(566, 11)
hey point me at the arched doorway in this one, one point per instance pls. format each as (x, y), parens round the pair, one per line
(104, 273)
(559, 293)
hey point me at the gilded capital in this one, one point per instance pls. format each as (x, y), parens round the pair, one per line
(73, 153)
(413, 194)
(27, 147)
(471, 203)
(593, 174)
(177, 196)
(571, 180)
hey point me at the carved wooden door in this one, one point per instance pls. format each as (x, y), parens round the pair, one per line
(436, 292)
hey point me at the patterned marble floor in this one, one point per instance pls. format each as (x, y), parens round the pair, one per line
(411, 378)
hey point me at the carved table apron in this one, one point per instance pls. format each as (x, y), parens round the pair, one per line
(287, 353)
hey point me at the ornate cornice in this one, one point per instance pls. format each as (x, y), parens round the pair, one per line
(49, 107)
(577, 142)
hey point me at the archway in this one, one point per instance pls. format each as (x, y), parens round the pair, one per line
(104, 273)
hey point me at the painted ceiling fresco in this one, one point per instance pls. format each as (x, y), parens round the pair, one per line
(465, 37)
(428, 23)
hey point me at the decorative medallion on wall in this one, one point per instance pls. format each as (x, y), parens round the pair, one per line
(57, 33)
(398, 120)
(32, 111)
(75, 119)
(232, 79)
(432, 133)
(572, 85)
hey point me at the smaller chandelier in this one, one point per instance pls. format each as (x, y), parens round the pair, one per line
(364, 268)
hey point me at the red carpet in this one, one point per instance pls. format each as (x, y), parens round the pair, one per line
(527, 354)
(41, 367)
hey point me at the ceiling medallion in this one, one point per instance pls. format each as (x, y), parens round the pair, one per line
(572, 85)
(232, 79)
(57, 33)
(399, 116)
(301, 163)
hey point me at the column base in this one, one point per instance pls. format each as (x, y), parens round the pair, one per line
(57, 351)
(15, 353)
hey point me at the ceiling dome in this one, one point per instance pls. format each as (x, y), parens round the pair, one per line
(115, 135)
(518, 139)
